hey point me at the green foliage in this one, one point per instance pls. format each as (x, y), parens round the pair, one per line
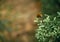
(50, 6)
(5, 25)
(48, 28)
(2, 26)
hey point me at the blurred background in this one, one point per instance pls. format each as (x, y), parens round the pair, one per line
(29, 20)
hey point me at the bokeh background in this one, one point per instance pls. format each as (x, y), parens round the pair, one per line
(48, 29)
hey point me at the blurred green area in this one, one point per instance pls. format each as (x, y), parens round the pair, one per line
(50, 7)
(48, 27)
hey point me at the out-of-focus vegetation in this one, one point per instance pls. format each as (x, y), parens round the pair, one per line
(48, 27)
(50, 6)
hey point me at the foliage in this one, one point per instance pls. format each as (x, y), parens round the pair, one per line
(50, 6)
(48, 28)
